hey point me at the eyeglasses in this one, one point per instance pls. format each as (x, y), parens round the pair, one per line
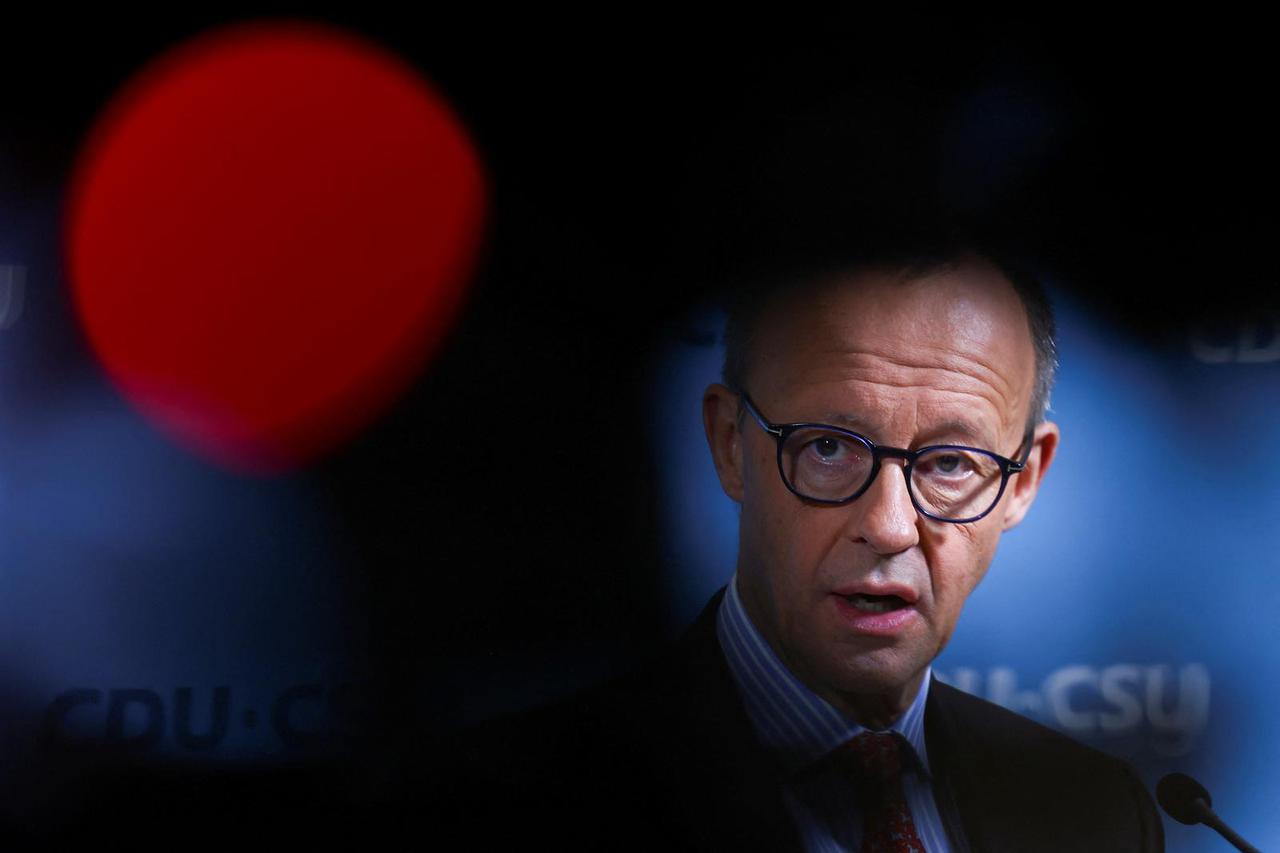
(947, 482)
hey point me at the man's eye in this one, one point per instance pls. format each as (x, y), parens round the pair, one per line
(827, 448)
(830, 449)
(946, 464)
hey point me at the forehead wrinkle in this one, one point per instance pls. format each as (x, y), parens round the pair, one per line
(964, 328)
(1004, 396)
(989, 373)
(1000, 391)
(910, 387)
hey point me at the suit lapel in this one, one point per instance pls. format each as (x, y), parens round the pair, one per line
(946, 763)
(989, 800)
(700, 730)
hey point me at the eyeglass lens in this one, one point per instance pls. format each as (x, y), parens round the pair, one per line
(949, 483)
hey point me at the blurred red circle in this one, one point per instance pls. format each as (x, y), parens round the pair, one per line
(268, 231)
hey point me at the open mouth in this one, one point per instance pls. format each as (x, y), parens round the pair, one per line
(875, 603)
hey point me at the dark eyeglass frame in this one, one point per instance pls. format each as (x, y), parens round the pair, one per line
(780, 433)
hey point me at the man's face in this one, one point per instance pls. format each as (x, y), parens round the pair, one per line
(943, 359)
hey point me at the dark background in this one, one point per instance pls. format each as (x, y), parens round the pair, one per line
(500, 523)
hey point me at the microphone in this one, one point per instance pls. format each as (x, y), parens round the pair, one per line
(1186, 801)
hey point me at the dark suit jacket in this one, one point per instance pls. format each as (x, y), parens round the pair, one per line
(666, 759)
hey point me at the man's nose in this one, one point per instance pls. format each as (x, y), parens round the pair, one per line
(883, 516)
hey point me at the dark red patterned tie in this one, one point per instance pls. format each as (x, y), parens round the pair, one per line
(886, 817)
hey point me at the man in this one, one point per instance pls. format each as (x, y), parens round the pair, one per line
(854, 562)
(881, 424)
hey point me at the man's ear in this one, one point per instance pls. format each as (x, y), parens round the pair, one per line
(1024, 485)
(720, 420)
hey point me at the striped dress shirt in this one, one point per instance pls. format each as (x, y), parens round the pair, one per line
(801, 728)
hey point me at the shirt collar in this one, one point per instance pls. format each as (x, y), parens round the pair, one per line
(792, 721)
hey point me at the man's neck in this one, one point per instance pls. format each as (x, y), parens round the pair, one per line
(873, 710)
(798, 723)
